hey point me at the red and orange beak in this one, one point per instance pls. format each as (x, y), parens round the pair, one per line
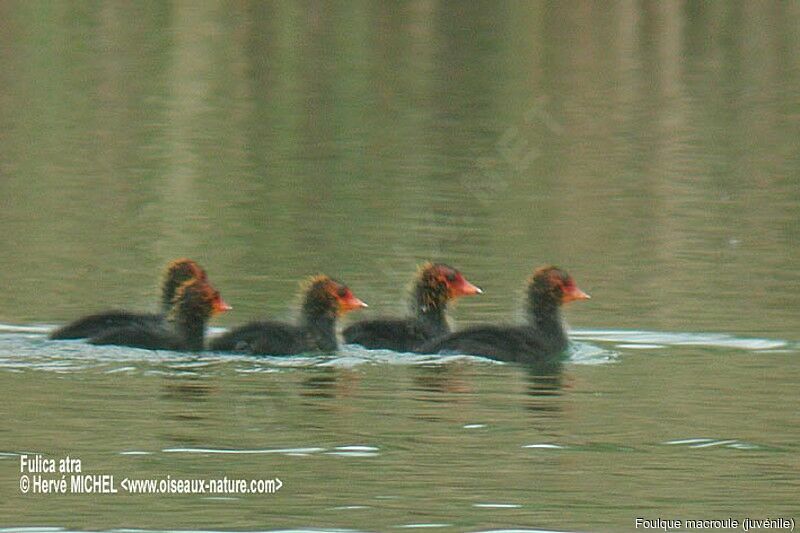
(462, 287)
(572, 293)
(349, 302)
(220, 306)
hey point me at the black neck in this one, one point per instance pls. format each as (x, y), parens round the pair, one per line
(432, 317)
(166, 299)
(192, 330)
(320, 330)
(544, 315)
(430, 308)
(168, 289)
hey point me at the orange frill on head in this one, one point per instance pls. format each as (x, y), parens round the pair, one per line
(555, 278)
(186, 268)
(339, 292)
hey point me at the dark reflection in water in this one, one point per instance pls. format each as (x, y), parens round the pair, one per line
(444, 380)
(187, 389)
(185, 400)
(330, 383)
(545, 382)
(320, 383)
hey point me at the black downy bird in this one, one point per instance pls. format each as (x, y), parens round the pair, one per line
(324, 301)
(435, 285)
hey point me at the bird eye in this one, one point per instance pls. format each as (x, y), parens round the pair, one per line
(342, 292)
(451, 276)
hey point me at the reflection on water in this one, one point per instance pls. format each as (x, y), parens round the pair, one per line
(321, 384)
(442, 380)
(545, 382)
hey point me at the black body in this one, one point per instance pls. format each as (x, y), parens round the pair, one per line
(270, 337)
(399, 334)
(157, 336)
(520, 344)
(99, 323)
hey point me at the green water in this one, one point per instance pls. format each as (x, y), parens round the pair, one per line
(652, 149)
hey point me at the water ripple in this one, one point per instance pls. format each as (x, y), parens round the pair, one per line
(697, 443)
(285, 451)
(653, 339)
(497, 505)
(24, 348)
(422, 526)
